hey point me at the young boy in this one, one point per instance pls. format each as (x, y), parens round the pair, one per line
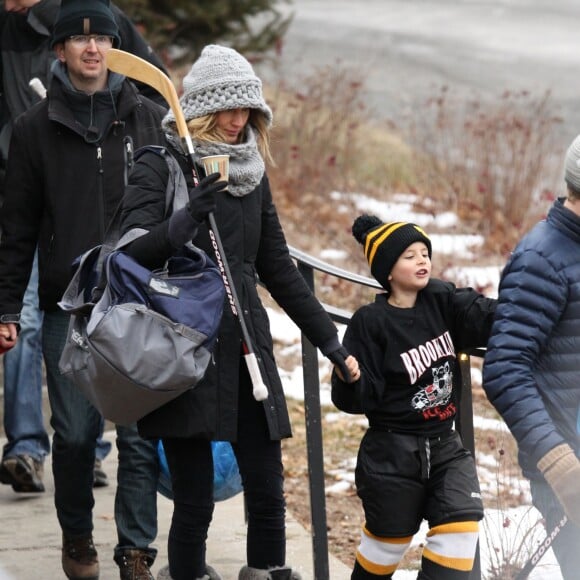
(411, 463)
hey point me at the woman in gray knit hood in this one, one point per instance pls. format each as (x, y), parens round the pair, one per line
(226, 115)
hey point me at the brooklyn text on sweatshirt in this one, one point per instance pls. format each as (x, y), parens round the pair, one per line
(418, 360)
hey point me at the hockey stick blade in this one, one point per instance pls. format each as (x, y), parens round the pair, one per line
(134, 67)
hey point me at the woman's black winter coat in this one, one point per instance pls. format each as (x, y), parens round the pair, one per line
(255, 246)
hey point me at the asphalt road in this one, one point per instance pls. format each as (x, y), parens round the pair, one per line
(407, 48)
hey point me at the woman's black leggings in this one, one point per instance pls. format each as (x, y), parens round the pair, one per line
(260, 461)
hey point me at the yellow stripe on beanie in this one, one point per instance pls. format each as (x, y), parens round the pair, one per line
(377, 237)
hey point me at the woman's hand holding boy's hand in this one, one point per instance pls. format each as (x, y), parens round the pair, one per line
(346, 365)
(350, 367)
(354, 369)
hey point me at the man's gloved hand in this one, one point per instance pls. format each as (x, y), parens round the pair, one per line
(561, 468)
(202, 196)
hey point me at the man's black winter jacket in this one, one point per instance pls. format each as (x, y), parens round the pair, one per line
(62, 191)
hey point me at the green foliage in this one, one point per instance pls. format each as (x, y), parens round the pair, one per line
(179, 29)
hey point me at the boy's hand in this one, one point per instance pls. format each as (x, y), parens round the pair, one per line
(353, 369)
(345, 364)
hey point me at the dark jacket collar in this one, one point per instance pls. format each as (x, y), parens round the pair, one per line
(126, 97)
(564, 220)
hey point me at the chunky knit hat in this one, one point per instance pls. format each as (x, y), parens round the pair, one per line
(85, 17)
(572, 165)
(220, 79)
(385, 242)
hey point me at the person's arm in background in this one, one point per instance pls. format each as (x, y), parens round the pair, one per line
(20, 221)
(532, 298)
(133, 42)
(531, 301)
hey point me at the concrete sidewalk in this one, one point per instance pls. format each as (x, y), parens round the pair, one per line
(30, 538)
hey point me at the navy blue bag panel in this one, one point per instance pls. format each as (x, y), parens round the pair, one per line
(187, 291)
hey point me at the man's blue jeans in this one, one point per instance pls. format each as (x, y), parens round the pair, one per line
(76, 426)
(23, 422)
(23, 417)
(567, 542)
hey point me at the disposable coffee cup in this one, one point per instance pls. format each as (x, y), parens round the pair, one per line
(217, 164)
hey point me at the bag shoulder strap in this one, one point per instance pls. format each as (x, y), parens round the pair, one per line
(176, 192)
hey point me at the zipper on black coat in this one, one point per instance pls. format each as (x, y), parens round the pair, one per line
(101, 195)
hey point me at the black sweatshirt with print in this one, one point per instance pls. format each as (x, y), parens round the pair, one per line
(408, 356)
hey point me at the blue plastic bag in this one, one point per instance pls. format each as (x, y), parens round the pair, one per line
(227, 481)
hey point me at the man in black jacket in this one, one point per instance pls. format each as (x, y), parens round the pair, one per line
(64, 180)
(25, 53)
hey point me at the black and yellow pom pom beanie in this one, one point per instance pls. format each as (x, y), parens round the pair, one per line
(385, 242)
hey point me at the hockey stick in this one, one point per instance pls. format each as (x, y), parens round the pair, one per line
(136, 68)
(541, 550)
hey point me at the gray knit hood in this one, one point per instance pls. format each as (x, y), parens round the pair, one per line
(220, 79)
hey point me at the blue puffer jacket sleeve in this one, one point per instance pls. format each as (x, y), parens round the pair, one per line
(530, 369)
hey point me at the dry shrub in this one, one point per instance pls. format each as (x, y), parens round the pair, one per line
(509, 540)
(496, 162)
(316, 132)
(324, 142)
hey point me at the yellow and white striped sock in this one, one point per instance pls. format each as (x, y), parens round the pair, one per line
(380, 556)
(452, 545)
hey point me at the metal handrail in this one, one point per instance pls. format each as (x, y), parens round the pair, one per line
(326, 268)
(307, 264)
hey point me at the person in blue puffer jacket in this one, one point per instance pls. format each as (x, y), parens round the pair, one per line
(531, 371)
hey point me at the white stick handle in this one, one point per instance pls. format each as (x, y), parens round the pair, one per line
(259, 388)
(36, 85)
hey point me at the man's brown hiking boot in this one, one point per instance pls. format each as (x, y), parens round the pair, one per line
(79, 558)
(135, 564)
